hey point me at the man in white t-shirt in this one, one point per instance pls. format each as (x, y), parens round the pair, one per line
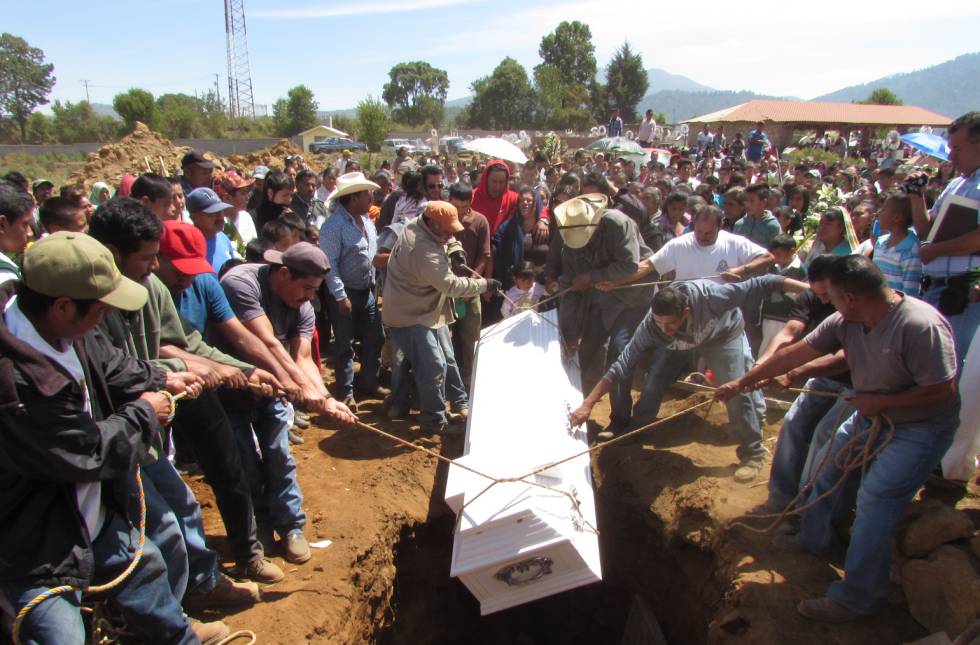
(709, 252)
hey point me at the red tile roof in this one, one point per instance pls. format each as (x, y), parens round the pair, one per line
(829, 113)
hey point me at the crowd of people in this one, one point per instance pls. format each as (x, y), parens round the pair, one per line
(229, 290)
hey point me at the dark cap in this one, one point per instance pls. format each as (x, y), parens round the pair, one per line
(301, 257)
(195, 157)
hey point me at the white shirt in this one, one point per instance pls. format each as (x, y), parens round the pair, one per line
(8, 268)
(646, 130)
(522, 299)
(245, 226)
(87, 494)
(689, 260)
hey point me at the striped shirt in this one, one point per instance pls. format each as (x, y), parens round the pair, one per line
(900, 263)
(949, 265)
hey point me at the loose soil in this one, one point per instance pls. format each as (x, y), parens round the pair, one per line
(663, 499)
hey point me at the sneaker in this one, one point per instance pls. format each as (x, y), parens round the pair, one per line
(351, 403)
(610, 432)
(294, 438)
(749, 469)
(261, 570)
(226, 593)
(376, 393)
(209, 633)
(301, 420)
(459, 416)
(826, 610)
(297, 549)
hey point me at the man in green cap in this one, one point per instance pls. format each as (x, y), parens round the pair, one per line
(76, 417)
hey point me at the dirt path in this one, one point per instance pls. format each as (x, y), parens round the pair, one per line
(663, 499)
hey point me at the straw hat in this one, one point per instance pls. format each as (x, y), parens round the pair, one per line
(353, 182)
(577, 218)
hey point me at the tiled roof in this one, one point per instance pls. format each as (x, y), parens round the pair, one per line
(819, 112)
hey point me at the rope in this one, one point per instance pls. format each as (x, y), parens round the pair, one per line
(56, 591)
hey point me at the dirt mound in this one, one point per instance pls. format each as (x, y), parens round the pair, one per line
(275, 157)
(140, 151)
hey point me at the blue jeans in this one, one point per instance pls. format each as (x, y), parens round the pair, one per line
(964, 325)
(799, 439)
(270, 470)
(594, 363)
(145, 599)
(364, 323)
(401, 395)
(882, 496)
(423, 350)
(728, 361)
(455, 390)
(163, 483)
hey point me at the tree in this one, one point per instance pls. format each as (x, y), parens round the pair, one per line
(560, 105)
(40, 128)
(373, 122)
(25, 80)
(78, 122)
(346, 124)
(882, 96)
(504, 100)
(179, 116)
(416, 93)
(569, 49)
(626, 82)
(136, 105)
(296, 112)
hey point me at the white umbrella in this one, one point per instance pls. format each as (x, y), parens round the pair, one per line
(496, 148)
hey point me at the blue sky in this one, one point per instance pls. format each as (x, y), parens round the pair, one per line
(343, 50)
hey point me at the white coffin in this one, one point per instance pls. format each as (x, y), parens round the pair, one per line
(518, 542)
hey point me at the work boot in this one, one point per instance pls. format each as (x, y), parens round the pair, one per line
(749, 469)
(209, 633)
(376, 393)
(297, 549)
(226, 593)
(826, 610)
(261, 570)
(301, 420)
(459, 416)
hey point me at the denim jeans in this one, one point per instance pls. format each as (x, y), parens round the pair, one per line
(202, 425)
(594, 363)
(728, 362)
(466, 334)
(423, 350)
(270, 469)
(162, 482)
(145, 599)
(964, 325)
(401, 391)
(798, 439)
(888, 486)
(364, 323)
(455, 389)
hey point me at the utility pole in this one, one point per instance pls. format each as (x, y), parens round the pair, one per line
(85, 83)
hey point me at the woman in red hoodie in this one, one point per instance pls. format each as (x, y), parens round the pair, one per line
(493, 198)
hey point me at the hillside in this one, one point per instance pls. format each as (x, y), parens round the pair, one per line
(949, 88)
(663, 81)
(679, 105)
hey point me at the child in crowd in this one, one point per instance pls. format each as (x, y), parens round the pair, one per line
(777, 307)
(896, 251)
(525, 293)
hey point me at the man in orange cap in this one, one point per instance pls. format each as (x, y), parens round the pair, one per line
(418, 293)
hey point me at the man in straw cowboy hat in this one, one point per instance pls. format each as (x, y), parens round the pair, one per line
(600, 245)
(418, 293)
(349, 240)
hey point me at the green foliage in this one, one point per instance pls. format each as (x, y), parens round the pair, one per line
(881, 96)
(25, 80)
(78, 122)
(504, 100)
(347, 124)
(40, 128)
(52, 165)
(296, 112)
(569, 48)
(815, 155)
(626, 82)
(180, 116)
(416, 93)
(560, 105)
(373, 122)
(136, 105)
(660, 118)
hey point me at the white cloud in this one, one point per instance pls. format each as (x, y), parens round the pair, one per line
(337, 10)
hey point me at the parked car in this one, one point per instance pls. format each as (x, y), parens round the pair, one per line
(336, 144)
(421, 146)
(391, 146)
(451, 145)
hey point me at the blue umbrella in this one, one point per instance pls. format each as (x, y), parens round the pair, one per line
(931, 144)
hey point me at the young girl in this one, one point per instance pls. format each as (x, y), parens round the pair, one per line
(525, 293)
(897, 249)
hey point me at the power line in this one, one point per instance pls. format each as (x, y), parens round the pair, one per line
(85, 82)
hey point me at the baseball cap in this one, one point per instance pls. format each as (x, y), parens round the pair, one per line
(444, 213)
(77, 266)
(229, 181)
(302, 257)
(204, 200)
(183, 244)
(195, 157)
(260, 172)
(40, 182)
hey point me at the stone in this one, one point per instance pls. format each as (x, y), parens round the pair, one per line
(934, 528)
(943, 591)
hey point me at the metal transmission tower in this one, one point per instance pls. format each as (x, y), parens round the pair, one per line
(240, 101)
